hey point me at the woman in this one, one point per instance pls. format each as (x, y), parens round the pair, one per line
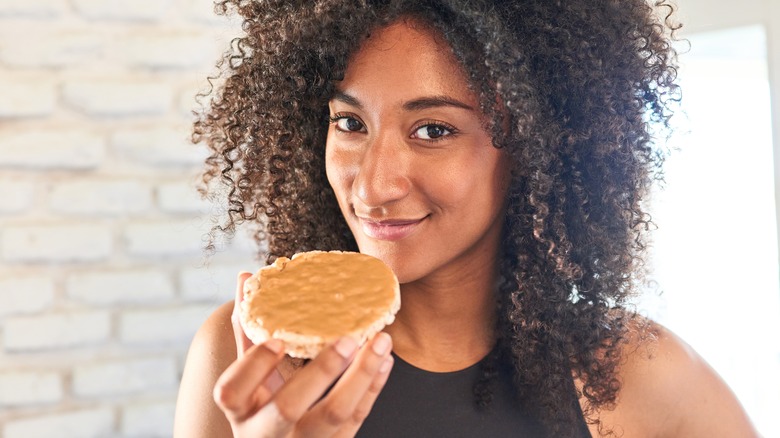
(495, 155)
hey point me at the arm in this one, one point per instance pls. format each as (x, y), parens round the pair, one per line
(212, 350)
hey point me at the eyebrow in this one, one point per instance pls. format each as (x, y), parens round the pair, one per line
(346, 98)
(412, 105)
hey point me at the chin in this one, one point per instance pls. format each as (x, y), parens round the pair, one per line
(407, 266)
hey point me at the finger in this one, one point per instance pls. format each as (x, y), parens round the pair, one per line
(242, 342)
(310, 382)
(274, 381)
(267, 423)
(240, 390)
(363, 408)
(340, 407)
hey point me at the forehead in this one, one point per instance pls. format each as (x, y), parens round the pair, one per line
(405, 60)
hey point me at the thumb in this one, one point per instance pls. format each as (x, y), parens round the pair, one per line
(242, 342)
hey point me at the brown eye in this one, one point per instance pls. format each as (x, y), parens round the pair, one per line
(349, 124)
(431, 132)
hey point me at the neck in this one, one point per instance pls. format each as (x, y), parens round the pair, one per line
(447, 323)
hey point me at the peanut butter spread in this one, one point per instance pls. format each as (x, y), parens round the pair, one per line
(323, 295)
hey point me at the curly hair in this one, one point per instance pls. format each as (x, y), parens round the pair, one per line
(581, 87)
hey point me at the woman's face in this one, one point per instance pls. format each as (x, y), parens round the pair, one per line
(416, 176)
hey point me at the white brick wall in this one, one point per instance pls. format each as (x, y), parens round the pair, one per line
(177, 197)
(100, 196)
(78, 424)
(126, 377)
(101, 97)
(207, 283)
(157, 146)
(25, 294)
(121, 10)
(15, 196)
(175, 51)
(32, 8)
(26, 388)
(103, 280)
(149, 419)
(116, 288)
(26, 98)
(165, 238)
(52, 331)
(47, 147)
(56, 243)
(51, 49)
(143, 327)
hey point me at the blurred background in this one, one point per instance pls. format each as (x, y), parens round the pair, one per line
(715, 253)
(103, 280)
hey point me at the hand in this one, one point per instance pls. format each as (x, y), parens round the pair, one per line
(259, 403)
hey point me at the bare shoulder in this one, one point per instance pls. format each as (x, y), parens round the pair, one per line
(212, 350)
(668, 390)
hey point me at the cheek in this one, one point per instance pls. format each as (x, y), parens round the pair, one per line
(454, 183)
(475, 182)
(481, 191)
(330, 169)
(336, 169)
(340, 169)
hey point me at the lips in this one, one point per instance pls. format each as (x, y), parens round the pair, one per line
(389, 229)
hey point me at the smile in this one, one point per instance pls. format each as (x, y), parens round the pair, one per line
(393, 229)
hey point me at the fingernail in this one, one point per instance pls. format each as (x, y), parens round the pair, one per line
(386, 365)
(346, 347)
(274, 345)
(381, 344)
(243, 276)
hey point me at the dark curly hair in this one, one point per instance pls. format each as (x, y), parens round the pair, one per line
(581, 86)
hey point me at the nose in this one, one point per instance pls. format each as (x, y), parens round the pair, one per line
(382, 176)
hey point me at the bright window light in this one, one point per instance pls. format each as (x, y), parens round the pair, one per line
(715, 255)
